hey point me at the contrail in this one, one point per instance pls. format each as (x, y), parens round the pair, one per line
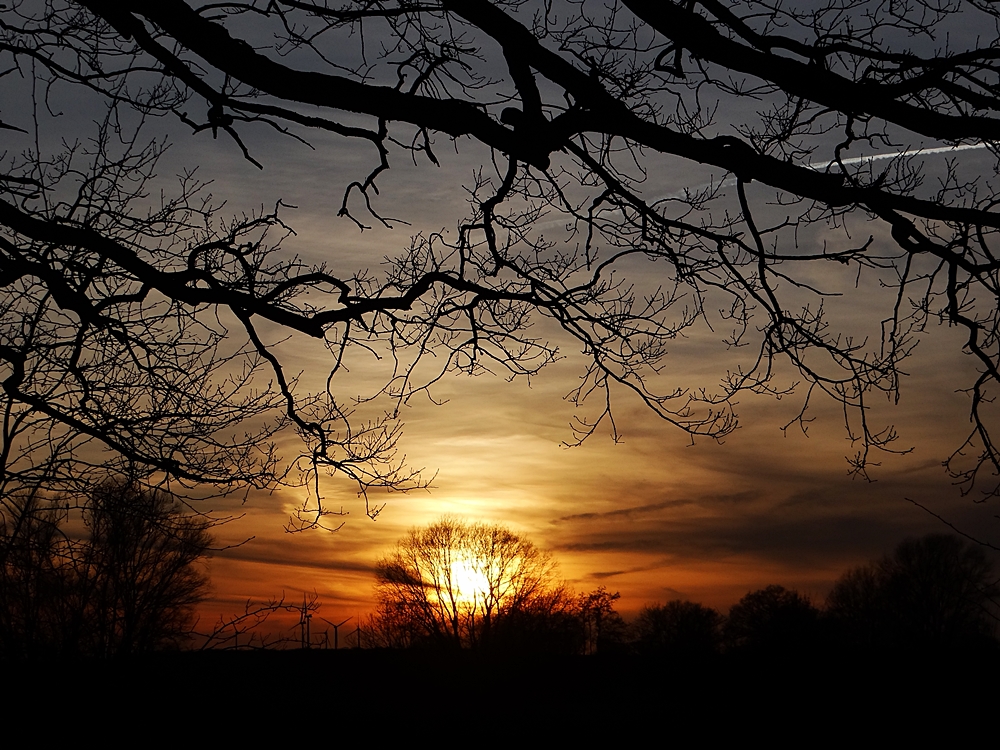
(817, 165)
(894, 154)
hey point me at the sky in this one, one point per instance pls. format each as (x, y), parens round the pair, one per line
(654, 515)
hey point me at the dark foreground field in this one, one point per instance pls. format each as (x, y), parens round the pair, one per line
(399, 692)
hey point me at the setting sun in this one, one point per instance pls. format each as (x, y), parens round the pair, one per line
(469, 583)
(457, 582)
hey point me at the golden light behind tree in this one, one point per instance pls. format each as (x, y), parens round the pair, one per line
(469, 581)
(455, 583)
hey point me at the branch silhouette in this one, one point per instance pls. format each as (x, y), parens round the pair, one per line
(124, 325)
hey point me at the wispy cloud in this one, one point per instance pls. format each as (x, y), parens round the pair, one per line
(625, 512)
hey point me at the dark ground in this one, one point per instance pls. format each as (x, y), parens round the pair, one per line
(352, 694)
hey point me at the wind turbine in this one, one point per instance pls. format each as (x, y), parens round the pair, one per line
(336, 630)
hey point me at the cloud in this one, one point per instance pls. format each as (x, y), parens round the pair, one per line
(284, 555)
(629, 571)
(625, 512)
(609, 574)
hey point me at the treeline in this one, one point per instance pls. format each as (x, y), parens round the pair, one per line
(937, 592)
(127, 583)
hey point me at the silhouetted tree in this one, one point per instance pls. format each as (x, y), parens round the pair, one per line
(549, 624)
(570, 107)
(140, 572)
(247, 630)
(772, 619)
(604, 629)
(935, 592)
(129, 587)
(677, 628)
(455, 584)
(39, 601)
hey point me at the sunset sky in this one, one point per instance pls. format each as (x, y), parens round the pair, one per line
(655, 516)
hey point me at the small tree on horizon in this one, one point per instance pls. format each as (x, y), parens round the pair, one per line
(771, 619)
(604, 629)
(677, 628)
